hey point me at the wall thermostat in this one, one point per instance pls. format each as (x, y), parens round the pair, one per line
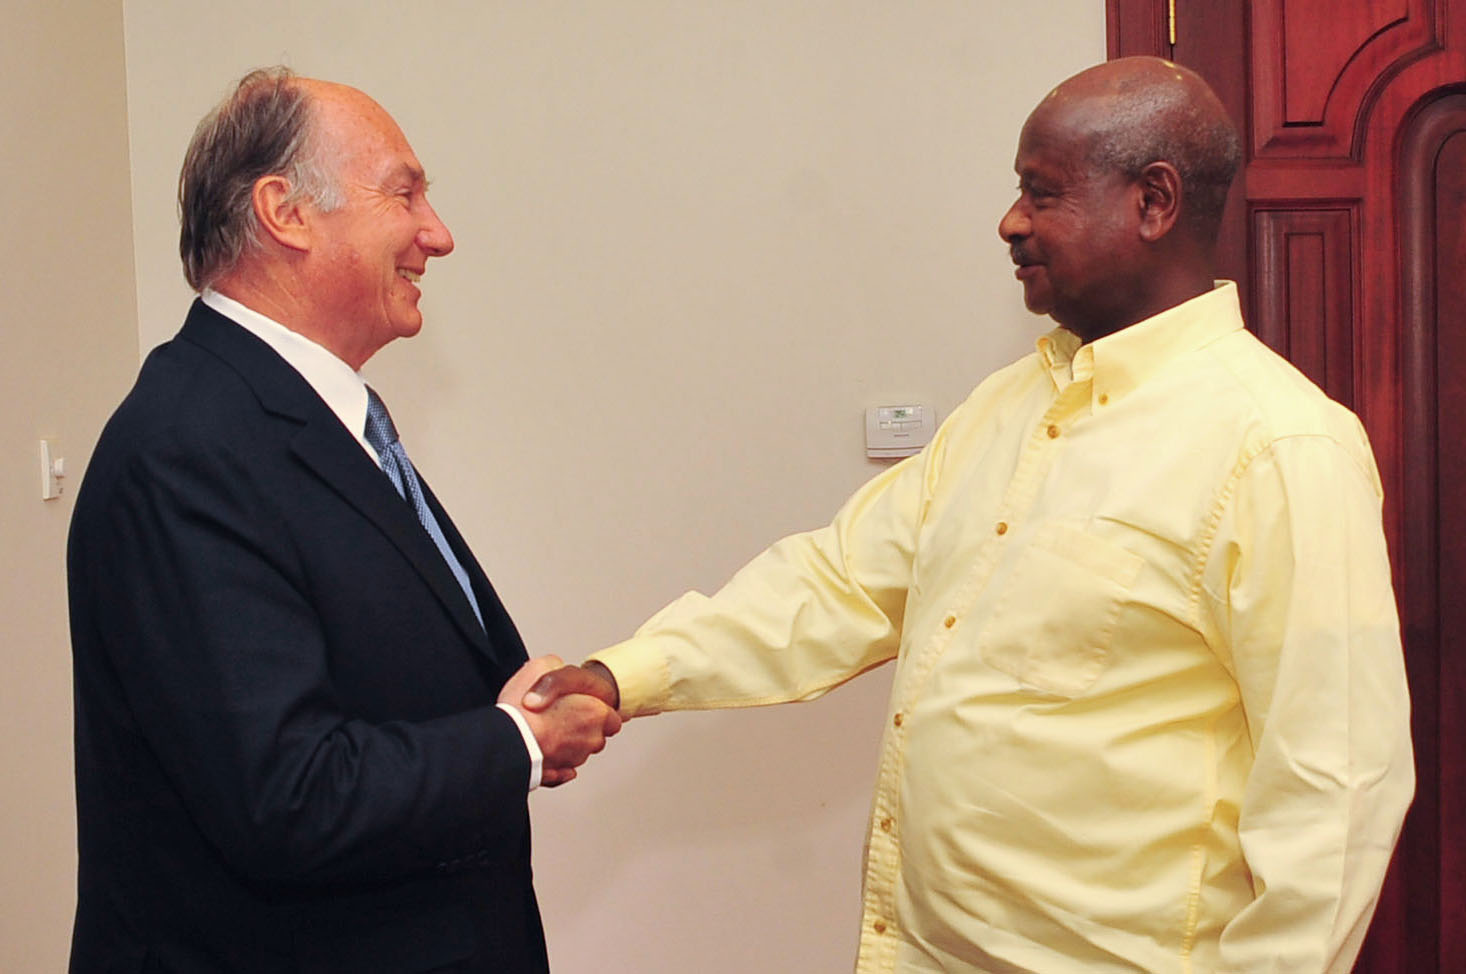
(898, 431)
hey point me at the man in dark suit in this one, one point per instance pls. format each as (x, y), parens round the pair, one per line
(298, 745)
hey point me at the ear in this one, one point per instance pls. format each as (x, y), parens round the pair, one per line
(1160, 200)
(282, 218)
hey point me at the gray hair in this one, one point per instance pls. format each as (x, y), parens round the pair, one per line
(1150, 122)
(263, 128)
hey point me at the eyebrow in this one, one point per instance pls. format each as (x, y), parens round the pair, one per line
(412, 174)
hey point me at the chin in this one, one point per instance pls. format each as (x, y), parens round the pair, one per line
(407, 325)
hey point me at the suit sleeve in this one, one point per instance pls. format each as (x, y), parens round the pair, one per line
(212, 635)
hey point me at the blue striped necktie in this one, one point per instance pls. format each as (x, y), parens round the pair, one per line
(382, 435)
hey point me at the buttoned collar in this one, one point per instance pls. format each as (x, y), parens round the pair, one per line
(1120, 363)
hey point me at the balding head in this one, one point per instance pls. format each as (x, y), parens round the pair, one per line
(1134, 111)
(1123, 172)
(303, 201)
(265, 126)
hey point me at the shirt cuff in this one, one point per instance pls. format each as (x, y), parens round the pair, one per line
(536, 756)
(642, 676)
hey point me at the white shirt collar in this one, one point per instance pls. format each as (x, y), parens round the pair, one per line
(339, 385)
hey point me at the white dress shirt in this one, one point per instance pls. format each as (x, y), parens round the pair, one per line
(344, 390)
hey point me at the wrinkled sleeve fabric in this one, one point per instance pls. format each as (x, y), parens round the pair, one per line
(809, 613)
(1298, 585)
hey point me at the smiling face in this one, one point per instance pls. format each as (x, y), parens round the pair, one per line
(369, 254)
(1073, 231)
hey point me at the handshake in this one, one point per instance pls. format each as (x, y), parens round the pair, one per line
(571, 710)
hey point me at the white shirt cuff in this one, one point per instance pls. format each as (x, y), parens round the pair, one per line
(536, 756)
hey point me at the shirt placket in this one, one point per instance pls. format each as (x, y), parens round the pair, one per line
(880, 931)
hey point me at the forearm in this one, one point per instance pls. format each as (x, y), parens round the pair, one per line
(367, 802)
(785, 628)
(1316, 650)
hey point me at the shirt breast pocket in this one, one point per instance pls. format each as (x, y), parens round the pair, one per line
(1053, 626)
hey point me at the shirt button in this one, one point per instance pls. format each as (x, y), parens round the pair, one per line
(1002, 527)
(897, 720)
(1053, 432)
(1104, 398)
(886, 824)
(950, 621)
(879, 926)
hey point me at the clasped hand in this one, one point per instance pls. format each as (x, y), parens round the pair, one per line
(570, 725)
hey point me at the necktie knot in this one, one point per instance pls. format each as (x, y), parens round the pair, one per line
(381, 433)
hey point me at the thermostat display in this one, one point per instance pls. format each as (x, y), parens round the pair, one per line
(898, 431)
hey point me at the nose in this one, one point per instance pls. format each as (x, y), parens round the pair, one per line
(1014, 225)
(434, 237)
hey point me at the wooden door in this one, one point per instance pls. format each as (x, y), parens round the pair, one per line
(1347, 236)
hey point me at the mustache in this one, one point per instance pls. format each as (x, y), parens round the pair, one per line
(1020, 256)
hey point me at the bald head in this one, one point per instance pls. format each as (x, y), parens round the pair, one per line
(1123, 172)
(1131, 112)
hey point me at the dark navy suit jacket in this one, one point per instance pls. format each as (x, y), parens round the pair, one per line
(287, 752)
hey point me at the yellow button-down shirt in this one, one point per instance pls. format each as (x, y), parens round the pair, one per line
(1149, 711)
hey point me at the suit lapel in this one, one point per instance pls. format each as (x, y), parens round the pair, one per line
(334, 455)
(339, 460)
(503, 634)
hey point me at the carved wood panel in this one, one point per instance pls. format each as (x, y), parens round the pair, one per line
(1353, 208)
(1451, 407)
(1316, 79)
(1135, 28)
(1303, 291)
(1433, 608)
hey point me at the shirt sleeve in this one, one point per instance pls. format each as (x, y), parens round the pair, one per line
(536, 756)
(1298, 582)
(809, 613)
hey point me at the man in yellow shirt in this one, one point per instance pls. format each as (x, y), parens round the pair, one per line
(1149, 710)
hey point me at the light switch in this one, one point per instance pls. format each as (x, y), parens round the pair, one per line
(53, 468)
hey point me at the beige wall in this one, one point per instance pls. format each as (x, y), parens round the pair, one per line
(695, 241)
(70, 349)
